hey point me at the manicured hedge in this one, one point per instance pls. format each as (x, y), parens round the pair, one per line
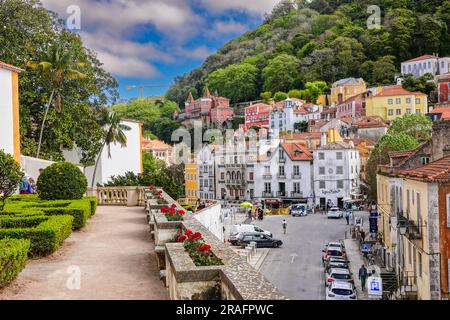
(13, 258)
(46, 237)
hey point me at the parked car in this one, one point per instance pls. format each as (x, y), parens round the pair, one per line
(332, 245)
(238, 229)
(299, 209)
(338, 274)
(338, 290)
(261, 240)
(334, 213)
(331, 252)
(335, 264)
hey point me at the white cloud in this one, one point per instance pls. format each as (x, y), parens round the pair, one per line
(250, 6)
(229, 27)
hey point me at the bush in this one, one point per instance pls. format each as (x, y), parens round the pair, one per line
(63, 181)
(46, 237)
(10, 176)
(13, 258)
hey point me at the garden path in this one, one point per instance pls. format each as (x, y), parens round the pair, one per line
(113, 255)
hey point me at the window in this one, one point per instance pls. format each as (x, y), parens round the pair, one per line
(338, 155)
(267, 187)
(425, 160)
(390, 101)
(398, 100)
(340, 184)
(420, 264)
(398, 112)
(408, 100)
(296, 187)
(321, 156)
(417, 111)
(281, 153)
(321, 170)
(296, 170)
(281, 170)
(419, 214)
(408, 111)
(322, 184)
(417, 100)
(222, 176)
(390, 112)
(251, 176)
(340, 170)
(267, 170)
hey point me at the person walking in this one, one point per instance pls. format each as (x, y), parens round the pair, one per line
(284, 224)
(347, 217)
(362, 277)
(363, 235)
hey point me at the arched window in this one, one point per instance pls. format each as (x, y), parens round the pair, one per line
(233, 176)
(238, 176)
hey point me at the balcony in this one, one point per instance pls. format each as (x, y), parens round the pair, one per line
(235, 183)
(296, 176)
(414, 231)
(235, 165)
(281, 193)
(267, 176)
(296, 194)
(211, 188)
(266, 194)
(281, 176)
(409, 228)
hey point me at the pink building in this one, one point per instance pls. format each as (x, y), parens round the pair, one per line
(211, 110)
(257, 115)
(353, 107)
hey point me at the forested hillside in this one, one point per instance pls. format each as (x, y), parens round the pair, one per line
(323, 40)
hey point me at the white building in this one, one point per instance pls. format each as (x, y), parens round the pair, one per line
(287, 113)
(426, 64)
(285, 173)
(206, 172)
(122, 160)
(336, 173)
(9, 110)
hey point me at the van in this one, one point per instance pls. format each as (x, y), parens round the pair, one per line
(238, 229)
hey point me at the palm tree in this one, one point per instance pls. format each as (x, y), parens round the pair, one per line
(57, 66)
(114, 134)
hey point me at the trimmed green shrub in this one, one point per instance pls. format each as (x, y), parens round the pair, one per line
(61, 181)
(46, 237)
(13, 258)
(10, 176)
(21, 222)
(93, 201)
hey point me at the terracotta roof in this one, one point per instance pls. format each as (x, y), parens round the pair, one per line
(445, 112)
(359, 141)
(424, 57)
(436, 171)
(303, 135)
(9, 67)
(336, 145)
(396, 91)
(297, 152)
(155, 145)
(400, 154)
(370, 122)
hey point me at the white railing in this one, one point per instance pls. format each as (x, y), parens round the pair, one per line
(118, 196)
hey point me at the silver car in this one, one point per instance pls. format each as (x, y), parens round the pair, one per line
(339, 290)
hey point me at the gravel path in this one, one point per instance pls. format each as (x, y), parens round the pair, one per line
(113, 255)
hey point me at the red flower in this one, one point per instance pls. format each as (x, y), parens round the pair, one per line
(171, 211)
(173, 205)
(164, 209)
(188, 232)
(197, 235)
(181, 238)
(181, 212)
(160, 192)
(204, 247)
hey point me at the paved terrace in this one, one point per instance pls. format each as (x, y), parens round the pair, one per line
(115, 257)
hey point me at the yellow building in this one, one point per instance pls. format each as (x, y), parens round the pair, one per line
(394, 101)
(9, 110)
(346, 88)
(191, 182)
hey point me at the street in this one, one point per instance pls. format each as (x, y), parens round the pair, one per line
(296, 267)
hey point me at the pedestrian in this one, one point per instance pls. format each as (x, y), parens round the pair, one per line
(363, 235)
(284, 223)
(249, 214)
(25, 186)
(347, 217)
(363, 276)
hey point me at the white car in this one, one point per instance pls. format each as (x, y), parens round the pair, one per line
(238, 229)
(338, 274)
(334, 213)
(339, 290)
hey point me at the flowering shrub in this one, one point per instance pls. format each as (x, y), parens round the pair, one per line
(172, 214)
(198, 250)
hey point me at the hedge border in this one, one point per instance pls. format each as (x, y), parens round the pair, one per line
(13, 258)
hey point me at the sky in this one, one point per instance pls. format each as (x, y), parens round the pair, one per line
(151, 42)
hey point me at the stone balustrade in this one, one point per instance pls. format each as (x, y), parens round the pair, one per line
(234, 280)
(118, 196)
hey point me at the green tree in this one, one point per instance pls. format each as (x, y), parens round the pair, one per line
(280, 96)
(417, 126)
(380, 72)
(301, 126)
(266, 96)
(10, 176)
(58, 66)
(423, 84)
(238, 82)
(281, 73)
(114, 134)
(402, 24)
(315, 89)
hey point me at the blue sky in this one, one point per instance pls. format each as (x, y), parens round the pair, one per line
(153, 41)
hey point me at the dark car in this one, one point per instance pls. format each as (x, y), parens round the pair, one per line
(261, 240)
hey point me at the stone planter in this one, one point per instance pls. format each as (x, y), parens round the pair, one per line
(164, 232)
(186, 281)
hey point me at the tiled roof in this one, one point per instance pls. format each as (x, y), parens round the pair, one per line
(396, 91)
(336, 145)
(9, 67)
(370, 122)
(424, 57)
(297, 152)
(303, 135)
(400, 154)
(436, 171)
(347, 81)
(445, 112)
(155, 145)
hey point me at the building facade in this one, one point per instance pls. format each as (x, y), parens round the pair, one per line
(426, 64)
(257, 115)
(336, 173)
(206, 173)
(159, 150)
(191, 182)
(353, 107)
(9, 110)
(393, 102)
(443, 84)
(343, 89)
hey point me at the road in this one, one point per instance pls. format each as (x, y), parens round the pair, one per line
(296, 267)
